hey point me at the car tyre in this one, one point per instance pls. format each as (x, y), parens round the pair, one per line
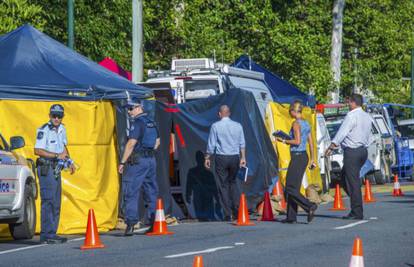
(26, 229)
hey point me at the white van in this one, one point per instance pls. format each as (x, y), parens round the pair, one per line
(191, 79)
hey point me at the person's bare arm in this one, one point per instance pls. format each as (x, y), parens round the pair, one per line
(46, 154)
(157, 144)
(129, 147)
(311, 150)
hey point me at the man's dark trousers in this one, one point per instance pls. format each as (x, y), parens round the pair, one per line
(354, 158)
(50, 195)
(228, 190)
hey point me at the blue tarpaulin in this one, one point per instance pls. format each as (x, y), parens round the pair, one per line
(35, 66)
(281, 90)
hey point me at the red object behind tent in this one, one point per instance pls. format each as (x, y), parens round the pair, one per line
(111, 65)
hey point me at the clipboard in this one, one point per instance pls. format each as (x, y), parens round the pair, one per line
(282, 134)
(242, 174)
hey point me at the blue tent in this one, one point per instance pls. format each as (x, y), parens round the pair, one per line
(282, 91)
(35, 66)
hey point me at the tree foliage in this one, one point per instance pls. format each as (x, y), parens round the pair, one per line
(291, 38)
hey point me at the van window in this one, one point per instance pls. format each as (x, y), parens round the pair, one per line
(195, 85)
(374, 129)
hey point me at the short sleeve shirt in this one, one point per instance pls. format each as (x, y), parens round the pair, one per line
(51, 139)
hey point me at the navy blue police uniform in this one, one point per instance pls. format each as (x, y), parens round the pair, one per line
(53, 140)
(140, 170)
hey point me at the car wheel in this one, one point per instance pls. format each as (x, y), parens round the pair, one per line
(380, 175)
(26, 229)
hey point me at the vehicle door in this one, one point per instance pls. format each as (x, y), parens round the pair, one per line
(8, 174)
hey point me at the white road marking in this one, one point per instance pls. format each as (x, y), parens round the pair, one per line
(210, 250)
(23, 248)
(239, 243)
(76, 239)
(350, 225)
(373, 218)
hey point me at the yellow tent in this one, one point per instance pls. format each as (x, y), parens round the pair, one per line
(92, 145)
(278, 118)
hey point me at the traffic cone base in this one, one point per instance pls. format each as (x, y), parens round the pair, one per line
(92, 239)
(160, 225)
(397, 192)
(338, 204)
(267, 214)
(243, 216)
(368, 198)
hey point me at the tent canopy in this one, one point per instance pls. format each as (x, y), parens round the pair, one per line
(35, 66)
(111, 65)
(282, 91)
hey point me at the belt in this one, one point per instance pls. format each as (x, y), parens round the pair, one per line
(297, 152)
(354, 148)
(146, 153)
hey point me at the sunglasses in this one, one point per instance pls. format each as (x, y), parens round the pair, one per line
(54, 116)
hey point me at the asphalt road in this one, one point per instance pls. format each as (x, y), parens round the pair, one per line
(387, 235)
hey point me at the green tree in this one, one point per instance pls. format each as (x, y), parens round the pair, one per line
(15, 13)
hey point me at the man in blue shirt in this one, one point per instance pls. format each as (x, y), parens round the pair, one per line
(140, 167)
(226, 142)
(353, 136)
(50, 146)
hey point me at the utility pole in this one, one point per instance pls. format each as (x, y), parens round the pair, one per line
(71, 35)
(355, 56)
(412, 81)
(137, 42)
(336, 51)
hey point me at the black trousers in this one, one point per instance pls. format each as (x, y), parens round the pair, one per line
(354, 158)
(228, 190)
(295, 172)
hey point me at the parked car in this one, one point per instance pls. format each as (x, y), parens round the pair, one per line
(18, 190)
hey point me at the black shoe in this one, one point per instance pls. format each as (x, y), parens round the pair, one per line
(53, 240)
(129, 231)
(288, 221)
(62, 239)
(352, 217)
(311, 212)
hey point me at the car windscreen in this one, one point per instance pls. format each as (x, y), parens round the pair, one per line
(333, 128)
(3, 144)
(257, 86)
(407, 130)
(382, 126)
(196, 85)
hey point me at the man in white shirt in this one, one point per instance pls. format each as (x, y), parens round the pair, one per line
(353, 136)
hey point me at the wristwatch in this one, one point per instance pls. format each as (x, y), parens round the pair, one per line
(122, 163)
(56, 155)
(284, 141)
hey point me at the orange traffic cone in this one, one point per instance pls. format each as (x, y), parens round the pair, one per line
(338, 205)
(357, 259)
(277, 191)
(160, 225)
(243, 219)
(92, 239)
(368, 198)
(397, 192)
(198, 261)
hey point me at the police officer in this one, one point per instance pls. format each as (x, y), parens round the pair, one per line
(138, 165)
(50, 146)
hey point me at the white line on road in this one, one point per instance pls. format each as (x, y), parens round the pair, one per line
(239, 243)
(210, 250)
(23, 248)
(351, 225)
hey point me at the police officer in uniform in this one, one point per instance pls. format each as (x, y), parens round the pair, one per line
(50, 146)
(138, 165)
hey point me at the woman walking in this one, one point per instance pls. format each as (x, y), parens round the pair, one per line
(300, 136)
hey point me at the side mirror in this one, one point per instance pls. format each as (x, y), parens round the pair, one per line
(16, 142)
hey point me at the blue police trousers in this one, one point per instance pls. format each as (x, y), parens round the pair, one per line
(50, 194)
(137, 176)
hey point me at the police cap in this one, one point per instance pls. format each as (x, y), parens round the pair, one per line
(56, 109)
(132, 103)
